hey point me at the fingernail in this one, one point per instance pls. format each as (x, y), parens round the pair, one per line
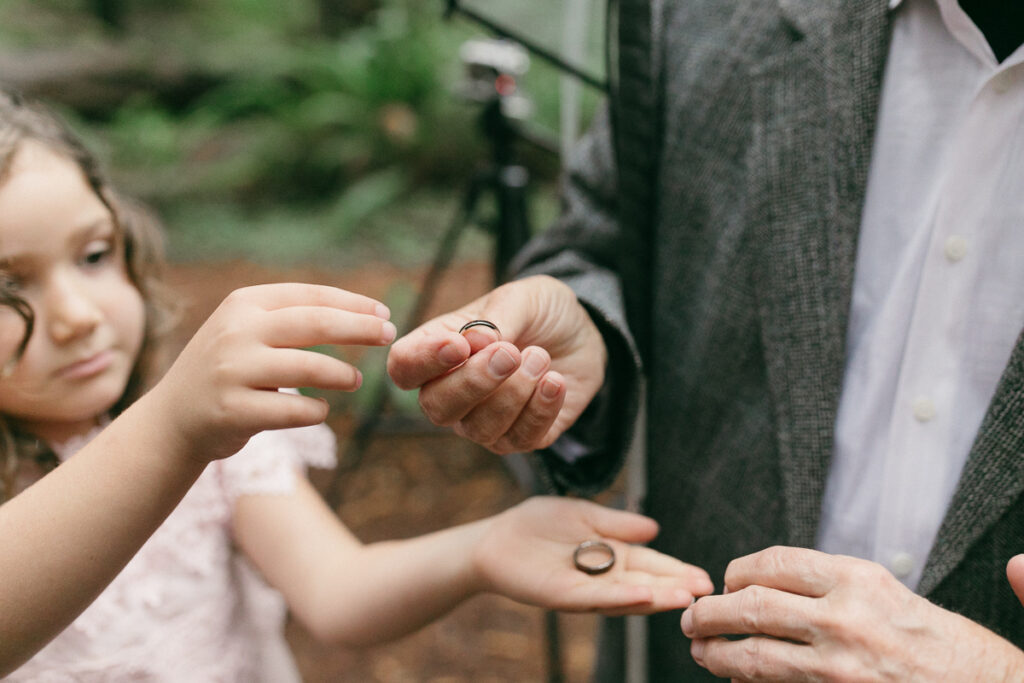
(450, 354)
(550, 388)
(502, 364)
(687, 623)
(359, 379)
(697, 649)
(388, 332)
(382, 311)
(534, 363)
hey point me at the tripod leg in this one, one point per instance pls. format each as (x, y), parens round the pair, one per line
(367, 425)
(513, 226)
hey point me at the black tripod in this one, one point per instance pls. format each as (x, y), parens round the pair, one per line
(507, 181)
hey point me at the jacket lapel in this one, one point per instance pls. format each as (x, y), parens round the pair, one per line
(993, 477)
(814, 110)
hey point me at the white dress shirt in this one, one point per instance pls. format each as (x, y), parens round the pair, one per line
(938, 297)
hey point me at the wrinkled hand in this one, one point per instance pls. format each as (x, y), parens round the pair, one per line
(819, 617)
(223, 388)
(518, 393)
(1015, 574)
(527, 554)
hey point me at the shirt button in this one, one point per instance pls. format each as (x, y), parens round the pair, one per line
(902, 564)
(956, 248)
(924, 409)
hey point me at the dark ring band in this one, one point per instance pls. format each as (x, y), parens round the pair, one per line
(592, 569)
(479, 323)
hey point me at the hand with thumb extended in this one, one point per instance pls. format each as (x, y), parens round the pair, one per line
(513, 389)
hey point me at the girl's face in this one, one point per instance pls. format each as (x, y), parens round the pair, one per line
(59, 243)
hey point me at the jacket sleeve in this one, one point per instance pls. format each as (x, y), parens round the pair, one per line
(587, 249)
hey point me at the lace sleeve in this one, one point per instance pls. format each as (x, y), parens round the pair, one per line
(269, 462)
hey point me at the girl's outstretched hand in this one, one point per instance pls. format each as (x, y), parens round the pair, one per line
(223, 388)
(526, 553)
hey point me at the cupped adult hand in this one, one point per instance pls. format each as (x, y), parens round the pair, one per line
(513, 390)
(811, 616)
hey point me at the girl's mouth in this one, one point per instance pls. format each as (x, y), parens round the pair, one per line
(88, 367)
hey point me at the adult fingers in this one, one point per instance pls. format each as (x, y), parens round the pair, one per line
(797, 570)
(534, 427)
(515, 308)
(424, 355)
(1015, 574)
(283, 294)
(298, 326)
(755, 659)
(752, 610)
(492, 417)
(448, 399)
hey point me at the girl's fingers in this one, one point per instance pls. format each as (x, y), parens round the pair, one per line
(272, 409)
(285, 294)
(298, 326)
(606, 596)
(628, 527)
(448, 399)
(293, 368)
(659, 565)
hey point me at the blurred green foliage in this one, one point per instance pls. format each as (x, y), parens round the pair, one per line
(284, 138)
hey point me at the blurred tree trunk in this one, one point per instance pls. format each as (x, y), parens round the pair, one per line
(337, 15)
(97, 78)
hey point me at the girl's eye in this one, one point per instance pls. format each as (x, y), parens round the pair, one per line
(97, 252)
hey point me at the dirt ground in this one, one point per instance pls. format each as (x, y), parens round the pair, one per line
(410, 482)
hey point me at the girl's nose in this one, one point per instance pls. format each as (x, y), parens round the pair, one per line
(71, 312)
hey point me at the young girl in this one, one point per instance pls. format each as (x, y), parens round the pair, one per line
(227, 544)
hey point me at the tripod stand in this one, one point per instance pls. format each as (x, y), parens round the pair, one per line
(507, 181)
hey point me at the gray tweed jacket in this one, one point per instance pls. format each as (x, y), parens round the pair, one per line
(767, 112)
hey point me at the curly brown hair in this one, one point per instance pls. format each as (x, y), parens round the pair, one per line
(21, 121)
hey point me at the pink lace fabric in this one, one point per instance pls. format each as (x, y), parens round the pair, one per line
(189, 606)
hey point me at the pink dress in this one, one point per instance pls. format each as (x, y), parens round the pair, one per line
(189, 606)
